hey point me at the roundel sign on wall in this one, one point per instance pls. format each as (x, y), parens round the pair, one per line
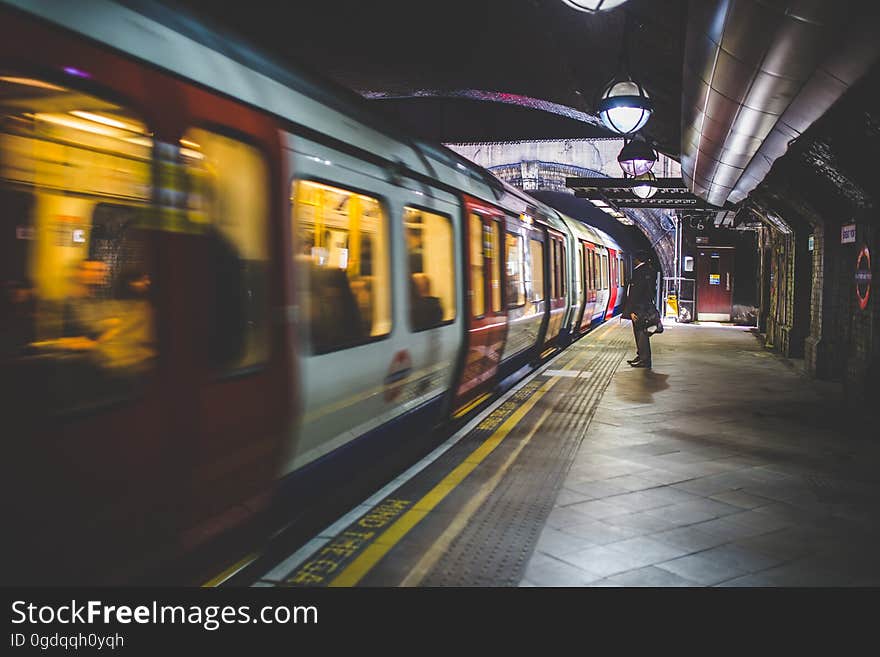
(863, 277)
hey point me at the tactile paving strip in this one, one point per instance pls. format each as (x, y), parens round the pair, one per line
(495, 546)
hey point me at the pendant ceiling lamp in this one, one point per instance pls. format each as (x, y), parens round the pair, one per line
(647, 188)
(636, 157)
(591, 6)
(624, 105)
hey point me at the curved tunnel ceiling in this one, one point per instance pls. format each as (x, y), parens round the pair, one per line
(538, 49)
(757, 74)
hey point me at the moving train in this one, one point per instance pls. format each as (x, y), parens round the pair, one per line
(219, 275)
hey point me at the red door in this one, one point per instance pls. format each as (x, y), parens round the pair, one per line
(589, 286)
(232, 277)
(487, 324)
(557, 279)
(714, 283)
(92, 443)
(612, 284)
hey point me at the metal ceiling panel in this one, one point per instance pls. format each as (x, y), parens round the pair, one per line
(757, 73)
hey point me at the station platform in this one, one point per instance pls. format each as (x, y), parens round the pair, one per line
(722, 466)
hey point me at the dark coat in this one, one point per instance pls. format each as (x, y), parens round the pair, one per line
(641, 290)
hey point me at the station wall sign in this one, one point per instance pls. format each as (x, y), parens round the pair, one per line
(863, 277)
(811, 243)
(848, 234)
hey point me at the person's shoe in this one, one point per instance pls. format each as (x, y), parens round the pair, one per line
(659, 328)
(641, 364)
(633, 360)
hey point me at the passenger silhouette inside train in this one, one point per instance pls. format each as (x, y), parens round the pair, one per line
(425, 310)
(362, 289)
(334, 317)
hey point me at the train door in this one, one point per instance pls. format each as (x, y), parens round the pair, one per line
(714, 283)
(346, 226)
(487, 320)
(558, 287)
(230, 276)
(602, 295)
(612, 282)
(524, 289)
(85, 366)
(589, 258)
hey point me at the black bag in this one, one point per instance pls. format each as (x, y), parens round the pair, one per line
(650, 319)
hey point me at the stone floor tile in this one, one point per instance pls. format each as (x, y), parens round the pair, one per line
(631, 483)
(598, 489)
(727, 529)
(597, 532)
(682, 514)
(740, 498)
(650, 576)
(557, 543)
(689, 539)
(702, 570)
(568, 496)
(564, 516)
(638, 501)
(604, 560)
(598, 509)
(648, 549)
(742, 557)
(642, 522)
(559, 574)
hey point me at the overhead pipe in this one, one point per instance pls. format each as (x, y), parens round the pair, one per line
(757, 74)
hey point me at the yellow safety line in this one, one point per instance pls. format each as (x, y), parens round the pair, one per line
(229, 572)
(467, 409)
(441, 545)
(356, 570)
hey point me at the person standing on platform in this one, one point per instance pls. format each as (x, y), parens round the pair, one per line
(639, 306)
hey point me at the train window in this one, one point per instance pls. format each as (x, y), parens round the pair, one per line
(342, 265)
(431, 268)
(495, 237)
(229, 181)
(478, 295)
(561, 269)
(536, 253)
(582, 264)
(77, 318)
(604, 271)
(554, 252)
(594, 274)
(620, 268)
(516, 294)
(586, 258)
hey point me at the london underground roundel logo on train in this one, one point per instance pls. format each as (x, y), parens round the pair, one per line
(863, 277)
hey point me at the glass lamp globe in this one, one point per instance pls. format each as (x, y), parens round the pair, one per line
(593, 5)
(625, 106)
(648, 189)
(636, 158)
